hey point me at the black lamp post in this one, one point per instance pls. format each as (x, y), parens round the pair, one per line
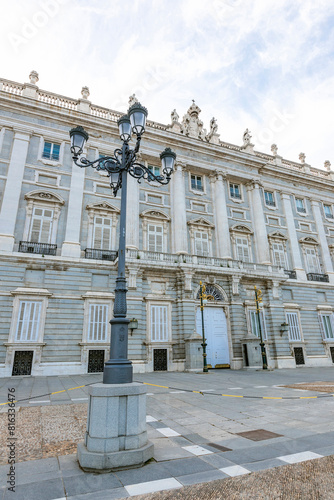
(204, 300)
(118, 370)
(258, 301)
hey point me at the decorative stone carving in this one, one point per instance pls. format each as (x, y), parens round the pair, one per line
(33, 77)
(85, 92)
(235, 285)
(212, 136)
(174, 116)
(327, 165)
(247, 145)
(191, 125)
(132, 99)
(44, 196)
(302, 158)
(274, 149)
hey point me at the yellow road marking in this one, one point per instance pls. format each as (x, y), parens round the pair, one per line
(267, 397)
(154, 385)
(58, 392)
(79, 387)
(232, 396)
(308, 397)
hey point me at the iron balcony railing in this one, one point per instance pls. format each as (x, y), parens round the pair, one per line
(41, 248)
(301, 210)
(270, 203)
(318, 277)
(292, 274)
(96, 253)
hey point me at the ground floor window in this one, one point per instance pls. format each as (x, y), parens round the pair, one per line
(294, 326)
(28, 321)
(98, 323)
(159, 323)
(326, 325)
(254, 321)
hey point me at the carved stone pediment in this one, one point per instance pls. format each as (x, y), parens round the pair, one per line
(241, 228)
(44, 196)
(277, 234)
(103, 205)
(200, 222)
(191, 125)
(155, 214)
(309, 240)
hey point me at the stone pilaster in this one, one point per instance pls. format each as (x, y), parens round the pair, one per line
(260, 230)
(132, 214)
(71, 246)
(220, 213)
(179, 220)
(11, 196)
(327, 261)
(295, 250)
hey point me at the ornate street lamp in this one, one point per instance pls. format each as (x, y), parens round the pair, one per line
(118, 370)
(259, 306)
(204, 299)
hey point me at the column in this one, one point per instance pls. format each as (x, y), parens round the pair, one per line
(132, 211)
(221, 220)
(327, 261)
(71, 246)
(260, 230)
(179, 220)
(11, 197)
(295, 249)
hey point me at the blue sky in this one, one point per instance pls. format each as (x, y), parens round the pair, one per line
(266, 65)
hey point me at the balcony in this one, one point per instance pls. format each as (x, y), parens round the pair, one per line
(40, 248)
(301, 210)
(95, 253)
(270, 203)
(291, 274)
(318, 277)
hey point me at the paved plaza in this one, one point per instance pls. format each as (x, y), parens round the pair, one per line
(234, 429)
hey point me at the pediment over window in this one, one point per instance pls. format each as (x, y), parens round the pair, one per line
(278, 235)
(241, 228)
(44, 196)
(103, 206)
(155, 214)
(201, 222)
(309, 240)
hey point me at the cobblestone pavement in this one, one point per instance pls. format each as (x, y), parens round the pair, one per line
(240, 447)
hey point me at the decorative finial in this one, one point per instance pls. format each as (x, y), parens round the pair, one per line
(85, 92)
(327, 165)
(246, 137)
(302, 157)
(274, 149)
(132, 100)
(33, 77)
(174, 116)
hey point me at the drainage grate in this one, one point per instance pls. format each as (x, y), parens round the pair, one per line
(332, 353)
(95, 361)
(160, 360)
(22, 363)
(299, 355)
(258, 435)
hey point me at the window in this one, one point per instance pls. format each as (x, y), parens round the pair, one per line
(98, 323)
(102, 233)
(312, 260)
(242, 249)
(326, 325)
(300, 206)
(159, 325)
(51, 151)
(197, 182)
(155, 238)
(255, 324)
(155, 171)
(235, 191)
(279, 255)
(269, 199)
(28, 321)
(328, 211)
(41, 225)
(294, 329)
(201, 243)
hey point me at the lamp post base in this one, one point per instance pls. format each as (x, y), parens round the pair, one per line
(116, 435)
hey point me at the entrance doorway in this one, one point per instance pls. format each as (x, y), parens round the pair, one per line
(215, 328)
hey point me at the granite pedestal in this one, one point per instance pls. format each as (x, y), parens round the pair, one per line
(116, 436)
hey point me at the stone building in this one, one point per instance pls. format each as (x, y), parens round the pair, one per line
(231, 217)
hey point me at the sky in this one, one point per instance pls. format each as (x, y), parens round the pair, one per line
(265, 65)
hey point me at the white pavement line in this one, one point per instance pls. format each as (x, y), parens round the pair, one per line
(176, 392)
(299, 457)
(197, 450)
(150, 394)
(168, 432)
(208, 390)
(79, 399)
(260, 386)
(149, 418)
(152, 486)
(235, 470)
(31, 402)
(233, 388)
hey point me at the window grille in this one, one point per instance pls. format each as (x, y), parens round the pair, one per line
(28, 321)
(159, 326)
(294, 329)
(98, 323)
(326, 326)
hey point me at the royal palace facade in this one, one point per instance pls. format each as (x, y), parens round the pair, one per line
(231, 217)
